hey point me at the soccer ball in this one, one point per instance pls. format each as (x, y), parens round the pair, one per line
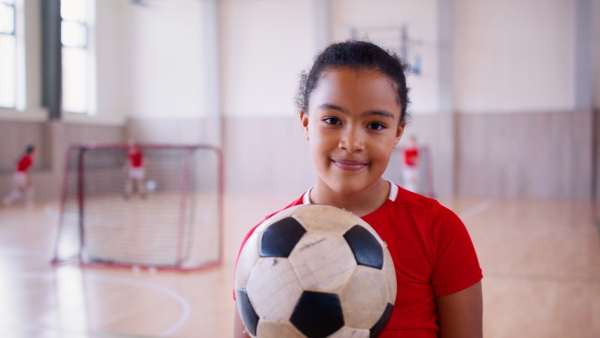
(315, 271)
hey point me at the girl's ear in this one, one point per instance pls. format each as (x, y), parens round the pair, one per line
(399, 133)
(304, 121)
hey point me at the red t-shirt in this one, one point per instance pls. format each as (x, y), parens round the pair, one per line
(24, 163)
(135, 158)
(411, 156)
(432, 253)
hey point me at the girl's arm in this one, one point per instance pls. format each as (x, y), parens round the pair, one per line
(238, 326)
(460, 314)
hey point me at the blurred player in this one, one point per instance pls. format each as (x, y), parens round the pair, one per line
(22, 185)
(135, 171)
(410, 165)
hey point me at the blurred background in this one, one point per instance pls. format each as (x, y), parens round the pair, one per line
(505, 96)
(505, 93)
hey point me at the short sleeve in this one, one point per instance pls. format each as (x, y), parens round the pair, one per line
(456, 266)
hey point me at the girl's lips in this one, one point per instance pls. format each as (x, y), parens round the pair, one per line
(349, 165)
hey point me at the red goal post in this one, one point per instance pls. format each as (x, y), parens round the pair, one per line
(172, 220)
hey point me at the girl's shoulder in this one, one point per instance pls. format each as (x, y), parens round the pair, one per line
(419, 207)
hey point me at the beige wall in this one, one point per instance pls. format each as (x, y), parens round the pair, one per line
(526, 154)
(510, 128)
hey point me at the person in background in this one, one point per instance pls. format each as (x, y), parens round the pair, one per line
(135, 170)
(410, 165)
(22, 184)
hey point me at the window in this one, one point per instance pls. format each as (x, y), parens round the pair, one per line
(8, 54)
(76, 56)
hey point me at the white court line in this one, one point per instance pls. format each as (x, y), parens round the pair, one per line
(185, 305)
(479, 208)
(180, 299)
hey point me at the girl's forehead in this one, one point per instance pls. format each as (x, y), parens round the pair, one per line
(357, 91)
(356, 82)
(345, 78)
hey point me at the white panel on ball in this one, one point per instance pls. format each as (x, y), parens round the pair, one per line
(322, 261)
(324, 218)
(360, 311)
(273, 288)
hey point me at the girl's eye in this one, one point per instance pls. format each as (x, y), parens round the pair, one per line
(332, 120)
(376, 126)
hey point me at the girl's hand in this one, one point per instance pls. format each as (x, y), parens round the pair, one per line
(239, 330)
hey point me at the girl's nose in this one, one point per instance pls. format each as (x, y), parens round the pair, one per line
(352, 141)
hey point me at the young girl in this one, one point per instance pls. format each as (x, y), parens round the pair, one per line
(135, 170)
(353, 111)
(23, 185)
(410, 165)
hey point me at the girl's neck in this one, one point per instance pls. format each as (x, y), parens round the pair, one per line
(360, 204)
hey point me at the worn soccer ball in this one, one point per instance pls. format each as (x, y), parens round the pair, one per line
(315, 271)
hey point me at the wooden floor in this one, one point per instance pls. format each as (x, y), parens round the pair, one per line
(541, 262)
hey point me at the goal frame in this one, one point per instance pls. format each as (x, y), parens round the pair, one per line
(79, 260)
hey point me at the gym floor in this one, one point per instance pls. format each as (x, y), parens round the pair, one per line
(540, 257)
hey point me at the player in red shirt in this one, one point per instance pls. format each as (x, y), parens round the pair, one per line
(353, 111)
(23, 185)
(135, 171)
(410, 165)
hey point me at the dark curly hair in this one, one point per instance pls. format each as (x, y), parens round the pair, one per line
(356, 55)
(30, 148)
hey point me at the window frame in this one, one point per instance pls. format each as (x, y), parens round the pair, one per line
(13, 33)
(88, 106)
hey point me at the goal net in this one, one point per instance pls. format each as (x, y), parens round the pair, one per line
(168, 215)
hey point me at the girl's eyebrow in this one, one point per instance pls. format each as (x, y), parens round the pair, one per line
(382, 113)
(329, 106)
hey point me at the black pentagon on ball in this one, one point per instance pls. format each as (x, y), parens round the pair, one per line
(318, 314)
(280, 238)
(247, 313)
(365, 246)
(380, 325)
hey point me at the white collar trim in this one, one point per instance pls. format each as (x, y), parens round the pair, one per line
(391, 197)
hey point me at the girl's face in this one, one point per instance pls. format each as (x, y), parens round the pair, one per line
(352, 125)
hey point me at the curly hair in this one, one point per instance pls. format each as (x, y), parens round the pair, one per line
(356, 55)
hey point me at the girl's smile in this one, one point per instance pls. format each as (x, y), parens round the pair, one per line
(349, 164)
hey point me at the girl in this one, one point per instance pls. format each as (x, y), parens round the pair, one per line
(23, 185)
(352, 108)
(135, 170)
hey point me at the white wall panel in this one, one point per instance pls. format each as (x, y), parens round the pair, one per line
(265, 46)
(163, 58)
(514, 56)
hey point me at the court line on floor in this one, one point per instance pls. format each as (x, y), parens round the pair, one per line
(185, 305)
(81, 333)
(182, 301)
(479, 208)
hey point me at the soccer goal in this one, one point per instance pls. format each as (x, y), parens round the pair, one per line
(169, 215)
